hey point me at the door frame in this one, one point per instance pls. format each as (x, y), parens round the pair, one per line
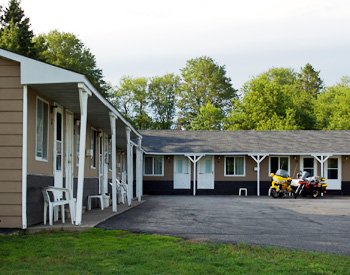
(69, 160)
(337, 182)
(58, 178)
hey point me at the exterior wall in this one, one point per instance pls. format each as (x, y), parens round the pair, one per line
(11, 127)
(230, 185)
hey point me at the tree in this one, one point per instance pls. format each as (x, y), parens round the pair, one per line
(131, 98)
(203, 81)
(67, 51)
(15, 32)
(162, 95)
(309, 81)
(332, 107)
(209, 118)
(267, 103)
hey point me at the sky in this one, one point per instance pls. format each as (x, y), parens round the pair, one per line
(151, 38)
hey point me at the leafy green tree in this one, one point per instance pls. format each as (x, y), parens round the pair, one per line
(67, 51)
(162, 95)
(203, 81)
(332, 107)
(132, 99)
(15, 32)
(266, 104)
(209, 118)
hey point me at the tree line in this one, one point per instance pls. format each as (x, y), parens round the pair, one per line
(201, 97)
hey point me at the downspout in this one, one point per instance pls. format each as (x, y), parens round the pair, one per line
(24, 156)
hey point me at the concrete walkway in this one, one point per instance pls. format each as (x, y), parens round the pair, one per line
(90, 219)
(321, 224)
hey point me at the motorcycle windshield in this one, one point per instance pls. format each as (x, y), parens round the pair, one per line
(282, 173)
(305, 175)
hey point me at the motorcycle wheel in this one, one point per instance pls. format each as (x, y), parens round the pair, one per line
(298, 191)
(274, 193)
(315, 193)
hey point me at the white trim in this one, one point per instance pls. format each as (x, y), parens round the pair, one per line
(48, 129)
(339, 169)
(244, 166)
(112, 119)
(144, 166)
(24, 156)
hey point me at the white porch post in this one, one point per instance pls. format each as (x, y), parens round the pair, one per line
(113, 119)
(139, 169)
(322, 160)
(129, 165)
(24, 156)
(83, 98)
(258, 159)
(194, 160)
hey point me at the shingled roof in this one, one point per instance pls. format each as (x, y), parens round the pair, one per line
(246, 142)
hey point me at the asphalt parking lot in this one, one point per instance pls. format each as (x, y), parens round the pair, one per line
(321, 224)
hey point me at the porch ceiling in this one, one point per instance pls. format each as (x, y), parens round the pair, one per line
(67, 95)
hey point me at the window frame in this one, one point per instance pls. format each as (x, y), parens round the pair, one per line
(37, 158)
(278, 163)
(144, 166)
(244, 166)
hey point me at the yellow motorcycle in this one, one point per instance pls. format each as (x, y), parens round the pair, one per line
(280, 185)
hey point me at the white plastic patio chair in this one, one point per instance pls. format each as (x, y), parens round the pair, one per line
(55, 201)
(121, 191)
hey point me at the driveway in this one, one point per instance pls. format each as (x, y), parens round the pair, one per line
(321, 224)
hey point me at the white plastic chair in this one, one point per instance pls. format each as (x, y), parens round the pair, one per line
(57, 201)
(121, 191)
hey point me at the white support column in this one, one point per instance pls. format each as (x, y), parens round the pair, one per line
(129, 165)
(258, 159)
(83, 98)
(113, 119)
(139, 169)
(322, 160)
(194, 160)
(24, 156)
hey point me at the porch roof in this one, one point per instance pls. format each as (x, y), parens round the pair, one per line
(304, 142)
(62, 86)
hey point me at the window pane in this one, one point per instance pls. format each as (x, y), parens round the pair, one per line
(158, 165)
(78, 143)
(179, 166)
(274, 164)
(332, 174)
(230, 165)
(284, 163)
(332, 163)
(239, 165)
(59, 127)
(308, 163)
(39, 129)
(185, 166)
(208, 166)
(148, 165)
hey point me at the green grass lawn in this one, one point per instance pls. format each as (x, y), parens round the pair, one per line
(100, 251)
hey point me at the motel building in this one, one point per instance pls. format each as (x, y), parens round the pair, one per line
(57, 130)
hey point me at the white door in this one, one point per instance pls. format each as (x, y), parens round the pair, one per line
(205, 173)
(333, 173)
(182, 173)
(58, 148)
(69, 150)
(308, 164)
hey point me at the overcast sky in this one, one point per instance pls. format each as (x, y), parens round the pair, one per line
(154, 37)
